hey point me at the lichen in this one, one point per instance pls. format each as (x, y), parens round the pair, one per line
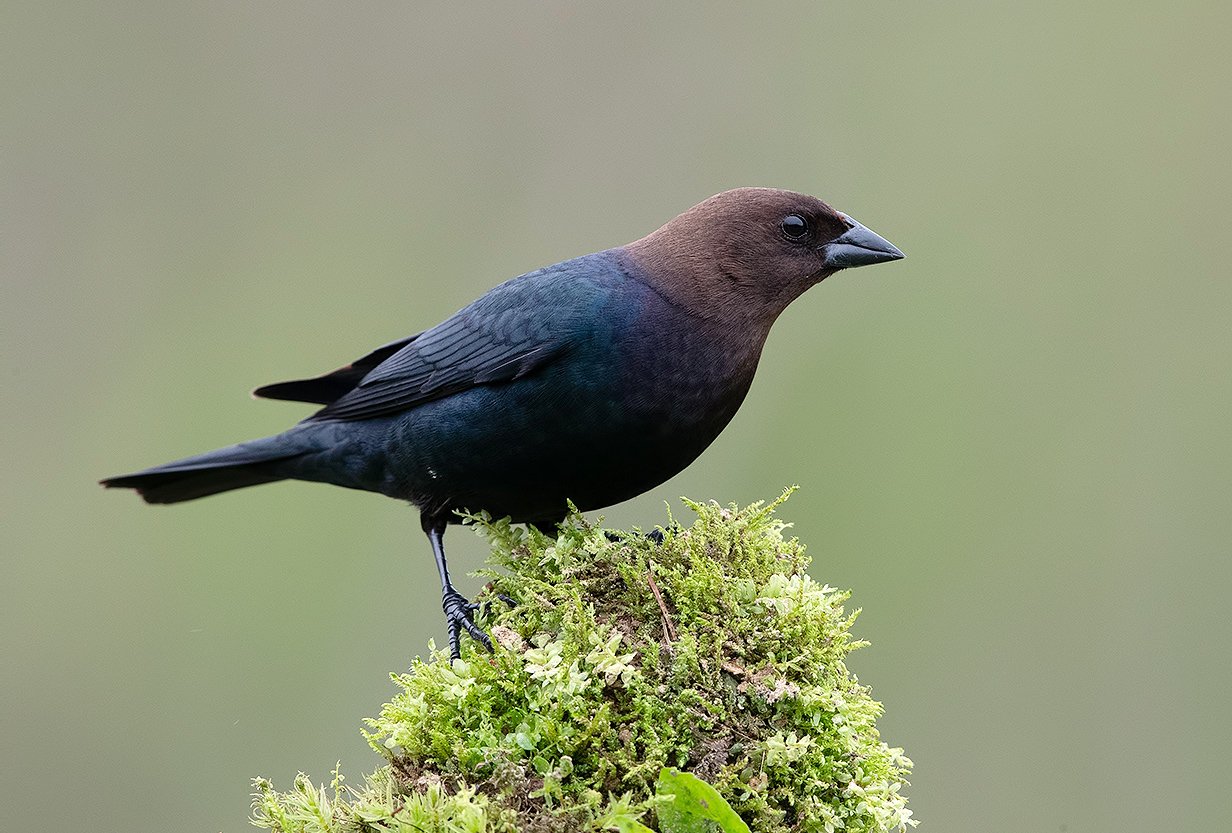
(706, 648)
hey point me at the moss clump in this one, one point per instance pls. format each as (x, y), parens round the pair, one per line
(710, 650)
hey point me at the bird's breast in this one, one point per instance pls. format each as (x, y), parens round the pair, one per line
(670, 384)
(629, 405)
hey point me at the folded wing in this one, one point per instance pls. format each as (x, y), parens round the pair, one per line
(509, 333)
(332, 386)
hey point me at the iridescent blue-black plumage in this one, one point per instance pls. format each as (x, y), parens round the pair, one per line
(591, 381)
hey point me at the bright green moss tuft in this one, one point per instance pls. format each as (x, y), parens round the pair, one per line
(712, 652)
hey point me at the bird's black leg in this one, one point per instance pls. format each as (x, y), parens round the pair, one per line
(457, 609)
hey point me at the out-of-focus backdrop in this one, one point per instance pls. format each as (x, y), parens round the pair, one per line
(1014, 445)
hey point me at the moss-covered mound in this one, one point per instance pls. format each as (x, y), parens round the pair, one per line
(710, 650)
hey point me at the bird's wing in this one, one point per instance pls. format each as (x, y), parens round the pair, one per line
(332, 386)
(515, 329)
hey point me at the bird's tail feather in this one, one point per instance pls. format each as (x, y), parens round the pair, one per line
(221, 470)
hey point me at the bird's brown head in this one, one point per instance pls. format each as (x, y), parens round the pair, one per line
(743, 255)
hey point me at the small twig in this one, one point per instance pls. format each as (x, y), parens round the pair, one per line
(667, 619)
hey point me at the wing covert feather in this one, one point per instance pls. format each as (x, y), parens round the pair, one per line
(517, 328)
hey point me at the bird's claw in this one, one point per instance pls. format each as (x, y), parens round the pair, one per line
(655, 536)
(458, 613)
(483, 607)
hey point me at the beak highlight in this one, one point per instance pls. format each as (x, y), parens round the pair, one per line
(859, 246)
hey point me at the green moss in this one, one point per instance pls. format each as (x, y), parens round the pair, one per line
(712, 651)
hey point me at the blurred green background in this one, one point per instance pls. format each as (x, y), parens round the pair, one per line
(1014, 445)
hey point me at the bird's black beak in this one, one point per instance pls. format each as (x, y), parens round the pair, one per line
(858, 246)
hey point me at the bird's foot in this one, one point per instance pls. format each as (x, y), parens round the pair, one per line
(459, 615)
(655, 536)
(490, 589)
(509, 601)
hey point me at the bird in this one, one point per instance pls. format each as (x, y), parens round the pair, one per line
(586, 382)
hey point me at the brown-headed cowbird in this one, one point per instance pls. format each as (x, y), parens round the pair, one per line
(592, 380)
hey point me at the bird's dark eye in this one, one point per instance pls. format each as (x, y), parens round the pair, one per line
(795, 227)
